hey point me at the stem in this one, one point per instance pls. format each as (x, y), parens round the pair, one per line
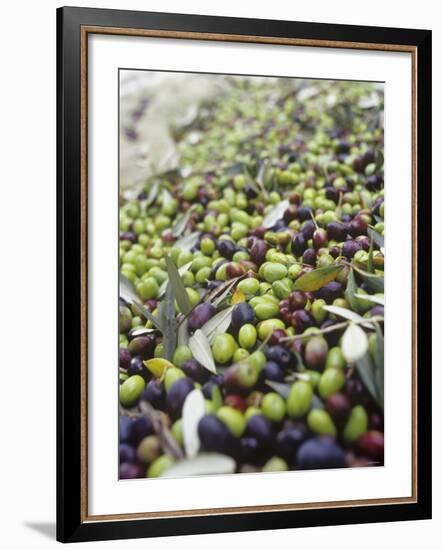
(333, 328)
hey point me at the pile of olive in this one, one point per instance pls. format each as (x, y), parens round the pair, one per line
(280, 187)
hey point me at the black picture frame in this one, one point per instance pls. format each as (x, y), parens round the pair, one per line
(71, 524)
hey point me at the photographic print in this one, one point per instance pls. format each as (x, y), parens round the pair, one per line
(251, 260)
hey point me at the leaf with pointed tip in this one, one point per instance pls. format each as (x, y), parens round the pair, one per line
(379, 300)
(188, 241)
(218, 324)
(201, 350)
(216, 296)
(181, 270)
(317, 278)
(193, 411)
(181, 223)
(202, 464)
(351, 289)
(169, 323)
(354, 343)
(127, 292)
(375, 282)
(280, 388)
(348, 314)
(379, 357)
(183, 335)
(275, 214)
(378, 239)
(178, 287)
(263, 177)
(366, 373)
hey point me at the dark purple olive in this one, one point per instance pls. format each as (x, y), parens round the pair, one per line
(337, 231)
(330, 292)
(338, 406)
(258, 251)
(320, 453)
(331, 337)
(250, 451)
(140, 428)
(128, 236)
(289, 440)
(332, 194)
(335, 251)
(309, 257)
(350, 248)
(290, 213)
(320, 238)
(124, 428)
(154, 392)
(357, 392)
(143, 346)
(260, 428)
(280, 355)
(176, 395)
(137, 367)
(343, 146)
(307, 229)
(304, 213)
(363, 241)
(358, 226)
(372, 444)
(215, 437)
(126, 453)
(316, 350)
(378, 310)
(226, 248)
(124, 358)
(301, 320)
(298, 244)
(213, 381)
(241, 315)
(271, 371)
(374, 182)
(195, 370)
(200, 315)
(131, 470)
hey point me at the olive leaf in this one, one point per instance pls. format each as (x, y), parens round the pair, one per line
(348, 314)
(159, 426)
(202, 464)
(275, 214)
(354, 343)
(216, 296)
(127, 292)
(178, 287)
(366, 373)
(279, 387)
(141, 331)
(374, 282)
(351, 289)
(166, 198)
(193, 410)
(180, 225)
(371, 255)
(263, 177)
(218, 324)
(188, 241)
(182, 333)
(379, 359)
(169, 323)
(201, 350)
(181, 271)
(317, 278)
(153, 193)
(378, 239)
(379, 300)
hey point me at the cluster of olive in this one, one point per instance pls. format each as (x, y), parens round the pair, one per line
(304, 194)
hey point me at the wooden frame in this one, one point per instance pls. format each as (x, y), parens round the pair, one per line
(73, 26)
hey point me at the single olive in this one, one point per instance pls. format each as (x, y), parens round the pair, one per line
(160, 465)
(299, 399)
(247, 336)
(357, 424)
(332, 380)
(233, 419)
(273, 407)
(131, 390)
(321, 423)
(223, 348)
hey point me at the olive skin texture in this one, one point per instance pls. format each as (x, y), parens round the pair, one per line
(176, 395)
(215, 437)
(200, 315)
(289, 440)
(320, 453)
(242, 314)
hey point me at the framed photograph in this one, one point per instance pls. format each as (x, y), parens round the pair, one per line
(234, 198)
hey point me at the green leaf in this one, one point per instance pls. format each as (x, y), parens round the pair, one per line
(379, 366)
(181, 271)
(180, 225)
(280, 388)
(218, 324)
(351, 289)
(275, 214)
(378, 239)
(371, 255)
(374, 282)
(178, 287)
(127, 292)
(348, 314)
(366, 373)
(169, 323)
(201, 350)
(216, 296)
(182, 334)
(376, 299)
(188, 241)
(315, 279)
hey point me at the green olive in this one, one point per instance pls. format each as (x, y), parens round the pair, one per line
(273, 407)
(131, 390)
(331, 381)
(247, 336)
(357, 424)
(320, 422)
(223, 348)
(299, 399)
(233, 419)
